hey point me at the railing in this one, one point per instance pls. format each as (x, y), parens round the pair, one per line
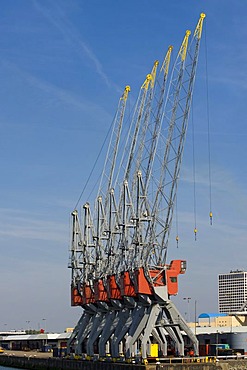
(186, 360)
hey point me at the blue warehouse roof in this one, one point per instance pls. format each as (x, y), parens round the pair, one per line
(209, 315)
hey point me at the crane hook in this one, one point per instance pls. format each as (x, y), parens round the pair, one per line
(195, 232)
(211, 218)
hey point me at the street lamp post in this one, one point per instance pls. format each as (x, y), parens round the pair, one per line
(45, 330)
(217, 342)
(195, 316)
(188, 301)
(28, 321)
(44, 324)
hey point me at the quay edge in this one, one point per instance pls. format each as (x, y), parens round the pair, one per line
(67, 364)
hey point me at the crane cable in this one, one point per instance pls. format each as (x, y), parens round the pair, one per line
(176, 205)
(95, 163)
(194, 168)
(209, 144)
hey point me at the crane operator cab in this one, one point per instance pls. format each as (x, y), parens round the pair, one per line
(175, 268)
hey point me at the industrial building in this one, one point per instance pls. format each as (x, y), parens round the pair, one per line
(44, 342)
(220, 330)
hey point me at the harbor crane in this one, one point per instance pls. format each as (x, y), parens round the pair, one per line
(118, 255)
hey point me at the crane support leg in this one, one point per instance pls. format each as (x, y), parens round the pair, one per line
(80, 332)
(112, 320)
(75, 332)
(97, 327)
(162, 335)
(83, 333)
(126, 319)
(137, 326)
(175, 317)
(174, 333)
(159, 340)
(155, 310)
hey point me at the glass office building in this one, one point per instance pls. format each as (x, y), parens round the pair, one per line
(232, 292)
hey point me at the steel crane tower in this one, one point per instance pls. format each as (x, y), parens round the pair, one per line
(120, 275)
(86, 254)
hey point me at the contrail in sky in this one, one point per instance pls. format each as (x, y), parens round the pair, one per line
(70, 33)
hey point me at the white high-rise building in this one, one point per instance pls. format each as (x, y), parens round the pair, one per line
(232, 291)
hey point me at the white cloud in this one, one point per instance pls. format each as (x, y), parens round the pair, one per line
(27, 225)
(57, 93)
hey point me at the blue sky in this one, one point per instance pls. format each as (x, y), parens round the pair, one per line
(63, 67)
